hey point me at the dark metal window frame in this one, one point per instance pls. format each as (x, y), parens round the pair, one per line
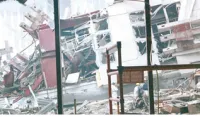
(58, 56)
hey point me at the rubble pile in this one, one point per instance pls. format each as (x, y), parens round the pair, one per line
(171, 101)
(83, 41)
(102, 107)
(25, 76)
(186, 102)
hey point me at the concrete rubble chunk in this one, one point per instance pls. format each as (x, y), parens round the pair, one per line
(194, 107)
(47, 108)
(176, 108)
(11, 111)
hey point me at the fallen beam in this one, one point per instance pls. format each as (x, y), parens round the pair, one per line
(47, 108)
(12, 111)
(21, 57)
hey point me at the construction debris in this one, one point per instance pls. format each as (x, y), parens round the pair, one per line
(28, 82)
(9, 111)
(194, 107)
(79, 107)
(101, 107)
(47, 108)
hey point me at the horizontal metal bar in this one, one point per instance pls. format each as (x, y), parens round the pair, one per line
(114, 99)
(162, 67)
(112, 49)
(113, 73)
(112, 70)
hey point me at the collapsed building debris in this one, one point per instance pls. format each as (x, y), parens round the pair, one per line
(101, 107)
(9, 111)
(47, 108)
(181, 104)
(83, 41)
(37, 72)
(171, 101)
(180, 100)
(79, 107)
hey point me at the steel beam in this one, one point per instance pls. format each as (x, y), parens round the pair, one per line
(114, 99)
(112, 49)
(109, 82)
(120, 71)
(113, 73)
(162, 67)
(58, 56)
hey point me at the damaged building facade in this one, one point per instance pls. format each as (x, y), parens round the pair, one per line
(85, 35)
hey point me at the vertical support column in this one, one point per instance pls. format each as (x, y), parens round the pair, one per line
(75, 106)
(158, 89)
(149, 57)
(120, 70)
(58, 56)
(109, 82)
(118, 106)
